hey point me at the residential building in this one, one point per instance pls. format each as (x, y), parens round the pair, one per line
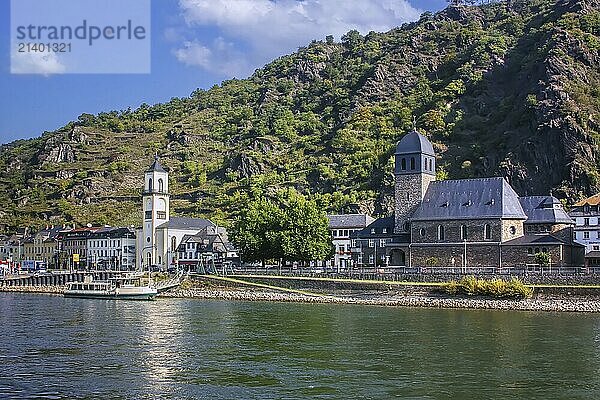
(586, 214)
(207, 251)
(41, 249)
(111, 248)
(341, 227)
(462, 223)
(74, 247)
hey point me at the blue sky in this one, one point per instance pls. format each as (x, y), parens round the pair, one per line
(195, 44)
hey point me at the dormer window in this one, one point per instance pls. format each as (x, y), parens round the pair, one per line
(444, 204)
(468, 203)
(490, 203)
(372, 231)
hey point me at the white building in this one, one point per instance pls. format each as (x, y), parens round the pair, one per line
(586, 214)
(341, 227)
(111, 248)
(161, 234)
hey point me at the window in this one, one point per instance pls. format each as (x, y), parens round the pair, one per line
(544, 250)
(342, 249)
(598, 235)
(530, 251)
(586, 235)
(596, 248)
(161, 186)
(381, 242)
(422, 231)
(371, 242)
(372, 231)
(346, 233)
(161, 215)
(513, 230)
(148, 215)
(441, 233)
(173, 243)
(353, 242)
(463, 232)
(371, 259)
(412, 163)
(586, 221)
(487, 232)
(537, 250)
(334, 232)
(150, 184)
(385, 231)
(403, 164)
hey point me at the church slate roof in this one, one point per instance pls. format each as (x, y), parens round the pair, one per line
(380, 227)
(544, 210)
(483, 198)
(349, 220)
(186, 223)
(414, 142)
(156, 167)
(539, 240)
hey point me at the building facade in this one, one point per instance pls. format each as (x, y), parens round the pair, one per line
(341, 227)
(42, 249)
(462, 223)
(586, 214)
(111, 248)
(208, 251)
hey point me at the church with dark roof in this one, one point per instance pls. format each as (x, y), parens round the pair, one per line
(462, 223)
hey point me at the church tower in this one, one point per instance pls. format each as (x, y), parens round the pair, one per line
(156, 211)
(414, 171)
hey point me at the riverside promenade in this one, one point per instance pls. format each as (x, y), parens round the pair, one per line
(547, 298)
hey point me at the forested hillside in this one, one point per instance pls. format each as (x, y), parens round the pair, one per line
(509, 89)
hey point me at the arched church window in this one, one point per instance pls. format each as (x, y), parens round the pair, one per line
(487, 231)
(412, 163)
(150, 184)
(403, 164)
(441, 232)
(161, 186)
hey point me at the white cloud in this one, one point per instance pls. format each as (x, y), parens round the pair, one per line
(221, 57)
(266, 29)
(35, 63)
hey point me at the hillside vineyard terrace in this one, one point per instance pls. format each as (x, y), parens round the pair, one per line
(84, 31)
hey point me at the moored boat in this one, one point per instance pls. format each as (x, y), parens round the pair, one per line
(126, 287)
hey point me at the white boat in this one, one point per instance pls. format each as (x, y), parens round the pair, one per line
(125, 287)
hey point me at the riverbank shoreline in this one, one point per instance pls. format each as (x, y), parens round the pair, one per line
(540, 303)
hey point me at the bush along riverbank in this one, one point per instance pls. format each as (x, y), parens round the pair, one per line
(495, 288)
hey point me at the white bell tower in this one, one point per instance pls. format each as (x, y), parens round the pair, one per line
(156, 212)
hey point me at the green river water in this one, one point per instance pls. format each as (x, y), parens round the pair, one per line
(58, 348)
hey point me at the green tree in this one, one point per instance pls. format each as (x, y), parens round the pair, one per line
(289, 229)
(542, 259)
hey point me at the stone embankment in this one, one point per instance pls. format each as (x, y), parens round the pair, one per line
(48, 289)
(395, 300)
(540, 302)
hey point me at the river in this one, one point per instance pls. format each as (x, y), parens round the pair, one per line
(59, 348)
